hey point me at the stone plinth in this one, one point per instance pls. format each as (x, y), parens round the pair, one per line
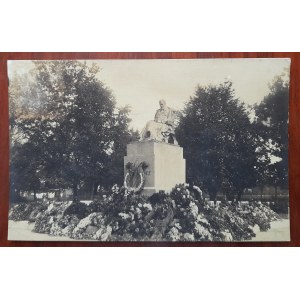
(166, 164)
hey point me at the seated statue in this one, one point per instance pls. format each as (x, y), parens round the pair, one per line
(162, 128)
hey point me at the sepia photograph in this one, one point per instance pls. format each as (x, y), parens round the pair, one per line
(149, 150)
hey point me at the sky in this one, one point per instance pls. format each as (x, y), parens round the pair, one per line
(142, 83)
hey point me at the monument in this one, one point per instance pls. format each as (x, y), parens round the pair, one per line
(155, 162)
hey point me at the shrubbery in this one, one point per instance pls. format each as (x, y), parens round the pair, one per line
(280, 206)
(78, 209)
(27, 211)
(181, 215)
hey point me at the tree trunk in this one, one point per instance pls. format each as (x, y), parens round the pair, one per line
(75, 192)
(212, 197)
(34, 195)
(276, 192)
(261, 191)
(239, 195)
(93, 191)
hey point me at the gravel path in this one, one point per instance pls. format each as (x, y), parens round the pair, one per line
(280, 231)
(22, 231)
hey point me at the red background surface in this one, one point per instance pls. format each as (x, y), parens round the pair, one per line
(294, 143)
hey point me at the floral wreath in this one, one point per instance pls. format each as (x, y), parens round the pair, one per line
(135, 171)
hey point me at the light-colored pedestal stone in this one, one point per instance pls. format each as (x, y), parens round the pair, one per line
(166, 164)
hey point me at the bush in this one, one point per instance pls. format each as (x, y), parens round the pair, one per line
(181, 215)
(280, 206)
(26, 211)
(54, 212)
(78, 209)
(14, 198)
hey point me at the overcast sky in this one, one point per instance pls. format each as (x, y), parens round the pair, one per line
(141, 83)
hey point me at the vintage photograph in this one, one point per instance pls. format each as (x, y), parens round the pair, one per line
(173, 150)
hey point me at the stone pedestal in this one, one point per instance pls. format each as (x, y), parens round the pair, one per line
(166, 164)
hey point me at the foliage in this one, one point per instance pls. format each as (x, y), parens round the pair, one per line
(16, 198)
(218, 139)
(280, 206)
(79, 209)
(48, 220)
(24, 170)
(72, 126)
(181, 216)
(26, 211)
(271, 124)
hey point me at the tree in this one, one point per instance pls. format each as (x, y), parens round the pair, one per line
(271, 124)
(216, 134)
(24, 162)
(74, 124)
(23, 172)
(123, 136)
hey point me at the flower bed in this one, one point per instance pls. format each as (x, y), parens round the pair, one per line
(27, 211)
(181, 215)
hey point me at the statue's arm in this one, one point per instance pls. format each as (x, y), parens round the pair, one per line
(171, 117)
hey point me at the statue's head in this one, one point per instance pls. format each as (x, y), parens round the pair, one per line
(162, 103)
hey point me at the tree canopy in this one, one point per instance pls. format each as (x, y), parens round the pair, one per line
(216, 134)
(271, 125)
(71, 126)
(67, 132)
